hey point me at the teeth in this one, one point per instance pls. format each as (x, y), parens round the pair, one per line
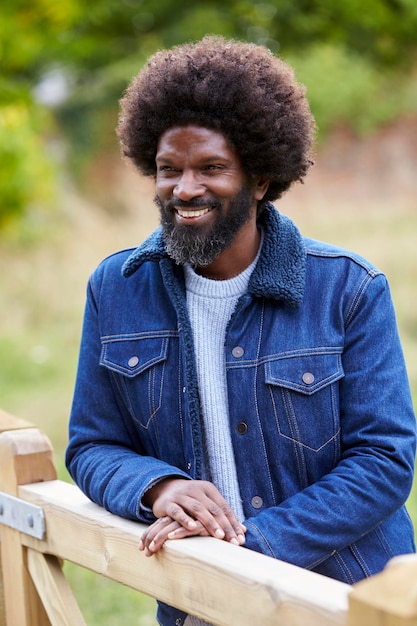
(198, 213)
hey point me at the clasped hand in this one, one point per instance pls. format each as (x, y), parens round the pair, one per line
(187, 508)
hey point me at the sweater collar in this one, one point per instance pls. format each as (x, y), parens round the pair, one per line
(279, 273)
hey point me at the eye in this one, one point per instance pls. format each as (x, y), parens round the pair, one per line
(166, 168)
(213, 168)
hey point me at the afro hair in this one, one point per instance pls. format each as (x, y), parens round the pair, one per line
(239, 89)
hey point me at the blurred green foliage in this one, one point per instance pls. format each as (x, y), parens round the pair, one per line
(357, 60)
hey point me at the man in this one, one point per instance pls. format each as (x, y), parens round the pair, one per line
(236, 379)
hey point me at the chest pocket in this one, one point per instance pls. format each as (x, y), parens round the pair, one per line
(140, 362)
(305, 398)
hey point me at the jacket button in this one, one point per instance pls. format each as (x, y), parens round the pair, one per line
(133, 361)
(308, 378)
(242, 428)
(238, 352)
(256, 502)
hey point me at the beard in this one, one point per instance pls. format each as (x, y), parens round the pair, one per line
(192, 244)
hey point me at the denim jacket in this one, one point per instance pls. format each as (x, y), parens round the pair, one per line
(321, 415)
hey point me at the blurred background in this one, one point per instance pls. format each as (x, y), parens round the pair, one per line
(67, 199)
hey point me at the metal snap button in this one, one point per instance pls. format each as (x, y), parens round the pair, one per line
(133, 361)
(256, 502)
(308, 378)
(242, 428)
(238, 352)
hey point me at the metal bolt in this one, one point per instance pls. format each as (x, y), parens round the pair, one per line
(30, 521)
(1, 509)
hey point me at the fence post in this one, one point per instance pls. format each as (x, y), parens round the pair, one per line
(7, 422)
(26, 457)
(388, 598)
(2, 607)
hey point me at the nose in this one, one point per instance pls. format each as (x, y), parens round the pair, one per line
(188, 186)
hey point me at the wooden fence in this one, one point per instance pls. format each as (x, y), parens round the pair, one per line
(44, 521)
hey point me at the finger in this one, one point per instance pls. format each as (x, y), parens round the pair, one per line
(151, 531)
(180, 532)
(198, 500)
(171, 530)
(158, 540)
(185, 501)
(216, 515)
(190, 509)
(234, 531)
(178, 512)
(240, 531)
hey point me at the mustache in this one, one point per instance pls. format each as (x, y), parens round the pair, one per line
(195, 203)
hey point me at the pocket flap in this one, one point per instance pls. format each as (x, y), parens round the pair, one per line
(134, 354)
(306, 373)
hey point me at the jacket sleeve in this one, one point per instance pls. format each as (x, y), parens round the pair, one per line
(105, 456)
(374, 475)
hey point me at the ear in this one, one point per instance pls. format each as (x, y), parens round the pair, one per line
(260, 188)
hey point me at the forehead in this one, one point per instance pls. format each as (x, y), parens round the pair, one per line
(193, 139)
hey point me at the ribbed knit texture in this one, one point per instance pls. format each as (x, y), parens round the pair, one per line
(210, 305)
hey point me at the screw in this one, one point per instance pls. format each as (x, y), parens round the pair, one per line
(1, 509)
(30, 521)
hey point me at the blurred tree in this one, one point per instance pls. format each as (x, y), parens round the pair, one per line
(28, 45)
(78, 58)
(382, 31)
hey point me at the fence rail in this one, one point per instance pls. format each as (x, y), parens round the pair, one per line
(221, 583)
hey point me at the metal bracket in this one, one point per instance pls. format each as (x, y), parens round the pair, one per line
(21, 515)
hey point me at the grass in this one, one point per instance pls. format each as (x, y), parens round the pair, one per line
(106, 603)
(42, 298)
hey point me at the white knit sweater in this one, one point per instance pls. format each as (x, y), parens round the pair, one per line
(210, 305)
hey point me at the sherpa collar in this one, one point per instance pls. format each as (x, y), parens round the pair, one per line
(280, 271)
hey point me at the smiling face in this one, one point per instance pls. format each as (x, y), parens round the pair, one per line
(207, 204)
